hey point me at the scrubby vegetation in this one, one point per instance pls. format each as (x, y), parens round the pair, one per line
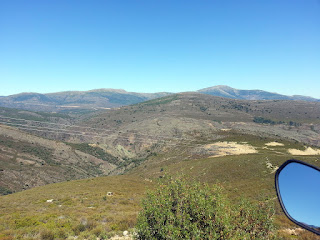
(181, 210)
(29, 148)
(4, 191)
(159, 101)
(95, 151)
(79, 209)
(272, 122)
(30, 115)
(266, 121)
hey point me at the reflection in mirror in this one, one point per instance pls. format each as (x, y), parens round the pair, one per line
(299, 188)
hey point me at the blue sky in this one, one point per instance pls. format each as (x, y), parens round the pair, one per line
(151, 46)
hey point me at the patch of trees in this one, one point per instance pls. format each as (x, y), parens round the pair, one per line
(266, 121)
(238, 107)
(272, 122)
(291, 123)
(203, 108)
(95, 151)
(5, 191)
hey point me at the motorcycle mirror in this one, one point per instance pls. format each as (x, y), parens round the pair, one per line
(298, 191)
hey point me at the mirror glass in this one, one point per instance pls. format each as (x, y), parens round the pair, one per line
(299, 188)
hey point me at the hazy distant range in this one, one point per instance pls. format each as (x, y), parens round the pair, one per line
(82, 101)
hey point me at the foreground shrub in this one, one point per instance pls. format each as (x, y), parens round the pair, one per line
(47, 235)
(181, 210)
(253, 221)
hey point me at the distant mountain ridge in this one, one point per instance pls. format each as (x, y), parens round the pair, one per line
(82, 101)
(76, 101)
(229, 92)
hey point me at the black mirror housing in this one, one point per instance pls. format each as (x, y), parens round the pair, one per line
(298, 189)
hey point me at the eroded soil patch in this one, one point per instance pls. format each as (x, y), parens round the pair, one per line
(307, 151)
(274, 144)
(219, 149)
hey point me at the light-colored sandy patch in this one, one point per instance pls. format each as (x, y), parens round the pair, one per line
(280, 153)
(307, 151)
(125, 236)
(148, 180)
(121, 238)
(226, 129)
(93, 145)
(6, 156)
(228, 148)
(69, 106)
(272, 168)
(294, 231)
(274, 144)
(25, 161)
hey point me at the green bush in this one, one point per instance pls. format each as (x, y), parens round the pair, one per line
(178, 209)
(253, 221)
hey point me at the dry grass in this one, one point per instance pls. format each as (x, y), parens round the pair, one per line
(78, 208)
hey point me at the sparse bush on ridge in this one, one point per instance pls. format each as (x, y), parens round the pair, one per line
(181, 210)
(271, 122)
(266, 121)
(5, 191)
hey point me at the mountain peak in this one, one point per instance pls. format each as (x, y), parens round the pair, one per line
(229, 92)
(108, 90)
(218, 87)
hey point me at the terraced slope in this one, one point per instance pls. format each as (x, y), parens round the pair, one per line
(187, 114)
(27, 161)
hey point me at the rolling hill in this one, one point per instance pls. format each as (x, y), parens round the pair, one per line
(76, 101)
(80, 102)
(117, 140)
(182, 115)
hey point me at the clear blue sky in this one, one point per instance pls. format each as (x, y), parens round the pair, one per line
(150, 46)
